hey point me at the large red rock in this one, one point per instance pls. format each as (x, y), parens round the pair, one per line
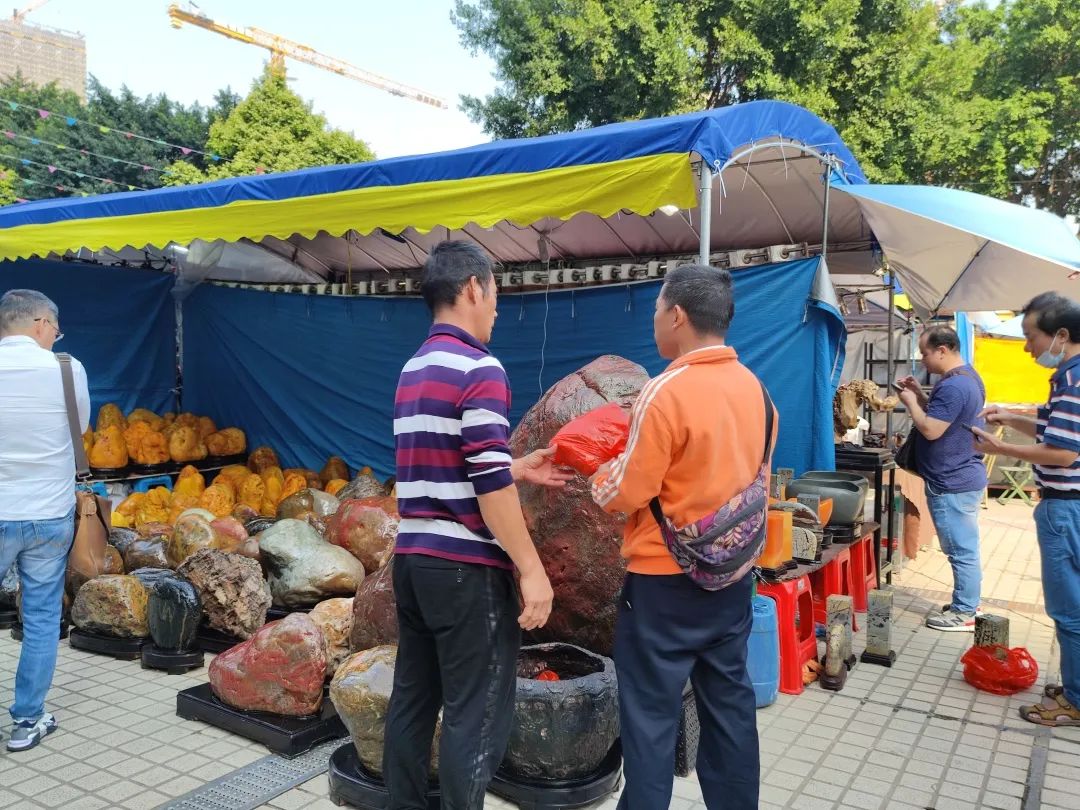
(280, 669)
(577, 541)
(375, 611)
(366, 527)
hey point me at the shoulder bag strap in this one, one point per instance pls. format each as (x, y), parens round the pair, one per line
(82, 464)
(654, 504)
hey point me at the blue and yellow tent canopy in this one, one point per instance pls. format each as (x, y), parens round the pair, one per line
(609, 177)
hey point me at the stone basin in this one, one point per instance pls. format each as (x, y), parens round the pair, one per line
(562, 729)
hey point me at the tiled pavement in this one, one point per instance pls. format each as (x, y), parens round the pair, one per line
(914, 736)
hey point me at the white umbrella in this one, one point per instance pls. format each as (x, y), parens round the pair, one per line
(957, 251)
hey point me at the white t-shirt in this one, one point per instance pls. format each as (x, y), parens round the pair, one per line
(37, 461)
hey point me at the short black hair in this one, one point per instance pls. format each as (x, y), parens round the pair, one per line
(449, 267)
(1055, 312)
(705, 295)
(942, 337)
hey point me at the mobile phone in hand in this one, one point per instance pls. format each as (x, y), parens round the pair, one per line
(970, 429)
(899, 388)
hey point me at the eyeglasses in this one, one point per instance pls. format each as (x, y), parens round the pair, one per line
(59, 334)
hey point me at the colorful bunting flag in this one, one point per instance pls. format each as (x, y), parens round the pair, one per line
(44, 113)
(72, 121)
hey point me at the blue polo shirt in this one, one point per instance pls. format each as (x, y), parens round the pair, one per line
(1059, 426)
(950, 463)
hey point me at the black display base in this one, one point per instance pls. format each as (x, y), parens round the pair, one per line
(562, 794)
(833, 684)
(687, 735)
(225, 461)
(214, 641)
(108, 472)
(151, 469)
(354, 785)
(774, 573)
(804, 561)
(8, 618)
(287, 736)
(172, 661)
(849, 664)
(880, 660)
(17, 630)
(126, 649)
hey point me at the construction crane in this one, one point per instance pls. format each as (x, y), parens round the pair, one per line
(19, 15)
(280, 47)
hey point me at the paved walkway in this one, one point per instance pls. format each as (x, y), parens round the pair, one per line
(914, 736)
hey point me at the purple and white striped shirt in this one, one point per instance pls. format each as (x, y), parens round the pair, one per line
(451, 431)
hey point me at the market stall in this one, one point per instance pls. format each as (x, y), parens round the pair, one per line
(583, 223)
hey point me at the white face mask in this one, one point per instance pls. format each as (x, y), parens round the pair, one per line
(1050, 358)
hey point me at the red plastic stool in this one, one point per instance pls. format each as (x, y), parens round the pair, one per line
(863, 571)
(835, 577)
(795, 626)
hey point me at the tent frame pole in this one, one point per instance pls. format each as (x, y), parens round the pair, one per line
(705, 213)
(889, 361)
(825, 211)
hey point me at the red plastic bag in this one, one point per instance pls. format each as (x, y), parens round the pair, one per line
(592, 439)
(999, 670)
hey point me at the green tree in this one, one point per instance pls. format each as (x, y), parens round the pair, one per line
(9, 190)
(50, 153)
(979, 97)
(272, 130)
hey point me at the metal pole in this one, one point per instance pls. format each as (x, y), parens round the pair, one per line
(705, 213)
(889, 363)
(825, 217)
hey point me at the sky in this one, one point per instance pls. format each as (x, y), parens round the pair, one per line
(411, 41)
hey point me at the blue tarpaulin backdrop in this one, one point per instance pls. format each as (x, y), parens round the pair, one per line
(118, 322)
(315, 376)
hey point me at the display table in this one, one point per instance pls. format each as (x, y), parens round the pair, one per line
(827, 556)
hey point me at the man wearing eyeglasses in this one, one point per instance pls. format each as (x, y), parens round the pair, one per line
(37, 493)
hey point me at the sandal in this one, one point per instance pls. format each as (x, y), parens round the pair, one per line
(1055, 710)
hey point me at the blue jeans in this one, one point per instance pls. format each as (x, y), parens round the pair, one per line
(1058, 526)
(956, 520)
(39, 548)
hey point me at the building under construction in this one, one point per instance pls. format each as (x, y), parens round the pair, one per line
(43, 55)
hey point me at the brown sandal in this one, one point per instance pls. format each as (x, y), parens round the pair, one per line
(1061, 713)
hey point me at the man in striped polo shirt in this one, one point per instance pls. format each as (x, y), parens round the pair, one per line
(1051, 327)
(461, 535)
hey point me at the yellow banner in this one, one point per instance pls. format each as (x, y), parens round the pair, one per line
(640, 185)
(1009, 373)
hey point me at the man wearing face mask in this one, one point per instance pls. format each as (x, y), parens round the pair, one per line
(1051, 327)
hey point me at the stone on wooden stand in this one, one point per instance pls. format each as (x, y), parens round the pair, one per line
(269, 689)
(839, 610)
(837, 641)
(879, 629)
(991, 630)
(173, 613)
(109, 614)
(805, 545)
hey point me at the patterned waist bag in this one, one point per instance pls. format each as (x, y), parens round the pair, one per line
(722, 547)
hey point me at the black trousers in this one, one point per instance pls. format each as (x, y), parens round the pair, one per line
(668, 630)
(457, 651)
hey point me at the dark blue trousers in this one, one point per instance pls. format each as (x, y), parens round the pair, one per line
(669, 630)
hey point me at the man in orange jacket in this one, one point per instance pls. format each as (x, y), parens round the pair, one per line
(697, 439)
